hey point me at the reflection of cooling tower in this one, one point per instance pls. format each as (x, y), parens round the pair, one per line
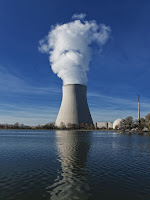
(71, 182)
(74, 108)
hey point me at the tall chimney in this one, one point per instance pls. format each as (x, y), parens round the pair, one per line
(138, 108)
(74, 107)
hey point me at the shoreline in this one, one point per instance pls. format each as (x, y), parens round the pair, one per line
(111, 130)
(101, 130)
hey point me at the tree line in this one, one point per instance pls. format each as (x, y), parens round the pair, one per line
(129, 124)
(126, 124)
(50, 126)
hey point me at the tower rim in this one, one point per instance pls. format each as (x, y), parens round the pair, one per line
(75, 84)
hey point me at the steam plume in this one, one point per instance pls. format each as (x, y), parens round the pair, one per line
(69, 47)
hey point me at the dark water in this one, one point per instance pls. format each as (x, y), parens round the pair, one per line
(66, 165)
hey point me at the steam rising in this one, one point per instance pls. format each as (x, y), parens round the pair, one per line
(69, 47)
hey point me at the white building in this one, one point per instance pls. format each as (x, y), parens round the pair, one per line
(116, 123)
(110, 125)
(104, 125)
(101, 124)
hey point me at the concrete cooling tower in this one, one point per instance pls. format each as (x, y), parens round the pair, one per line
(74, 107)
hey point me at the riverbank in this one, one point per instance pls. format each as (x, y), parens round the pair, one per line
(103, 130)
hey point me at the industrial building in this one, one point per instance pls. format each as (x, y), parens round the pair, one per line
(110, 125)
(107, 125)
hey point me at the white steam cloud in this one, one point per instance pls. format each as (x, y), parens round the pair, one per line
(79, 16)
(69, 47)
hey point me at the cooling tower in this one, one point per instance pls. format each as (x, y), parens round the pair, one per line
(74, 107)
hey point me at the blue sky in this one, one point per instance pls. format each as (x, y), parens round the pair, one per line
(29, 91)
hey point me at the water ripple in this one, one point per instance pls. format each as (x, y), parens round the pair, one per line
(68, 165)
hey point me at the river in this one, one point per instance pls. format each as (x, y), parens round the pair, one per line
(68, 165)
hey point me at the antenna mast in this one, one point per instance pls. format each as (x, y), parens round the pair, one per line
(139, 109)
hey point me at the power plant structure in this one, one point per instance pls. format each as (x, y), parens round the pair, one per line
(74, 107)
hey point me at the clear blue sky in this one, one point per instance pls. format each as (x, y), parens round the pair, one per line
(29, 91)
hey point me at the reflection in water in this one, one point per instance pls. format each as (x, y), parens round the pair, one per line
(76, 165)
(71, 183)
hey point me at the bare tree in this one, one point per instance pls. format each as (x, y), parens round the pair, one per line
(147, 119)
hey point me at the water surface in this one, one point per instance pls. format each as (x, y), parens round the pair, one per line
(67, 165)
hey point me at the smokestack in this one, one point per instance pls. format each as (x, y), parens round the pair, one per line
(74, 107)
(138, 108)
